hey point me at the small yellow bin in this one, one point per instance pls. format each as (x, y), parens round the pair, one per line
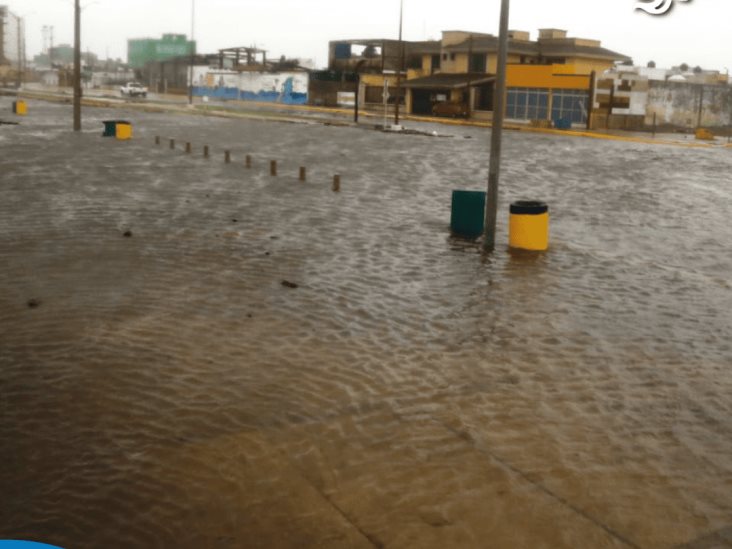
(20, 108)
(529, 226)
(123, 131)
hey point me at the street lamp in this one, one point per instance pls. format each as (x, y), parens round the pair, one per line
(491, 204)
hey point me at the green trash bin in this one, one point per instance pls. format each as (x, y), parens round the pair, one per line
(468, 213)
(110, 127)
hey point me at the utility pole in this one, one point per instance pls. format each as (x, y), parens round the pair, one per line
(401, 65)
(470, 68)
(591, 98)
(19, 80)
(77, 66)
(491, 204)
(701, 107)
(193, 54)
(50, 47)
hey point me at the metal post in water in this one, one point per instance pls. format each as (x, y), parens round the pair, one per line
(355, 104)
(77, 66)
(491, 204)
(192, 57)
(654, 124)
(401, 65)
(701, 106)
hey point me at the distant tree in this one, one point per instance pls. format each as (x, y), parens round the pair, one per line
(651, 64)
(697, 70)
(684, 67)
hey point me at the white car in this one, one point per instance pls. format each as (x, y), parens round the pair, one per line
(133, 89)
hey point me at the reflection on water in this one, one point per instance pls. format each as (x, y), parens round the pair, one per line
(410, 392)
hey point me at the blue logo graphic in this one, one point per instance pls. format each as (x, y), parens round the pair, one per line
(656, 7)
(16, 544)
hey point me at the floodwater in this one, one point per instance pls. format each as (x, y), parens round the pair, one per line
(167, 390)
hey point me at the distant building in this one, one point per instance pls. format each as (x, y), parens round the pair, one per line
(62, 56)
(241, 74)
(245, 74)
(12, 43)
(550, 78)
(141, 51)
(631, 97)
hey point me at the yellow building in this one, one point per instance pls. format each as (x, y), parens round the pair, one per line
(547, 79)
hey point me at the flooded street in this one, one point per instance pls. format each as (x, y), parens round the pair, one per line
(167, 390)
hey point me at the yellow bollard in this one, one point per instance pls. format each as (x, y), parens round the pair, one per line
(20, 107)
(529, 226)
(123, 131)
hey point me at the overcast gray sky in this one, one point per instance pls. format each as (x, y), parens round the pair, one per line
(696, 32)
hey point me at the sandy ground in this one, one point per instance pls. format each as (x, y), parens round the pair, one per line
(165, 389)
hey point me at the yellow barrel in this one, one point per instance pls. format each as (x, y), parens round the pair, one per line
(123, 130)
(529, 225)
(21, 107)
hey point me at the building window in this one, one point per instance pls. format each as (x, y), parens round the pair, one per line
(477, 62)
(527, 103)
(570, 104)
(444, 57)
(435, 62)
(485, 98)
(452, 57)
(414, 62)
(374, 94)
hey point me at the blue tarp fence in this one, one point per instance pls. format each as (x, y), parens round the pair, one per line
(287, 97)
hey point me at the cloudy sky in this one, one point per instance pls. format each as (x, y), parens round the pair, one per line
(696, 32)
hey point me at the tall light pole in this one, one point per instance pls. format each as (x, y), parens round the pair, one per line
(401, 65)
(19, 22)
(499, 100)
(77, 66)
(193, 54)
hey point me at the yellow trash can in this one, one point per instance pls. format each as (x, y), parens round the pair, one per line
(529, 225)
(123, 131)
(20, 107)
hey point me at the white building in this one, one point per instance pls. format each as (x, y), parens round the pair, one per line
(12, 38)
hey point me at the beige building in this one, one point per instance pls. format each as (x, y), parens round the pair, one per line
(548, 78)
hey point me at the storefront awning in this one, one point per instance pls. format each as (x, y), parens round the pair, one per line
(444, 81)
